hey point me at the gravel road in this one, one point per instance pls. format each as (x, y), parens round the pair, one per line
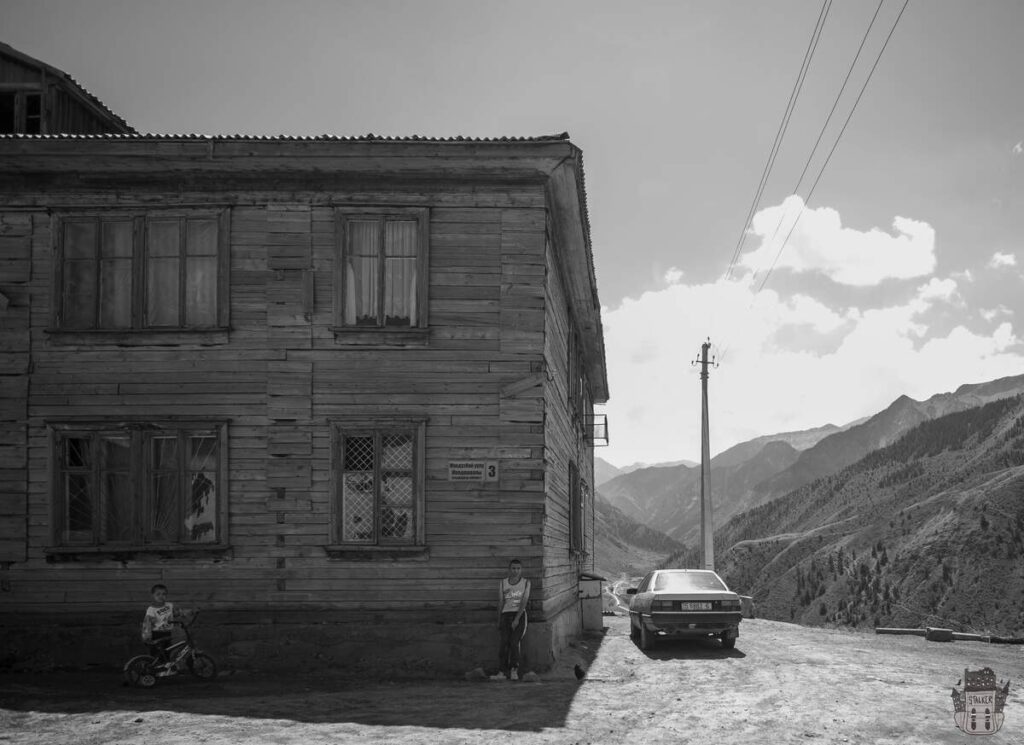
(782, 684)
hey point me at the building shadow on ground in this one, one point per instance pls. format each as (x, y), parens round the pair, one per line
(311, 698)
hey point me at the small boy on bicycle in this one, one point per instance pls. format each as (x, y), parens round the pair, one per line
(156, 625)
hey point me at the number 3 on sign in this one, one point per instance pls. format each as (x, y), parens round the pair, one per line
(490, 471)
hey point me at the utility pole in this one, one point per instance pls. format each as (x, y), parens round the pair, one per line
(707, 533)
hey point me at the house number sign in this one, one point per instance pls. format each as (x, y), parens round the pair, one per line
(473, 470)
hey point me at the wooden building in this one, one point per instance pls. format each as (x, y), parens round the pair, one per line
(323, 388)
(36, 98)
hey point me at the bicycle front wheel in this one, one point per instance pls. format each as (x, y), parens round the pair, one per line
(140, 671)
(202, 666)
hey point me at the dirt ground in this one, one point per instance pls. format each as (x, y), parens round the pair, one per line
(782, 684)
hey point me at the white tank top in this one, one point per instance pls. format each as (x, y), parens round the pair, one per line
(512, 594)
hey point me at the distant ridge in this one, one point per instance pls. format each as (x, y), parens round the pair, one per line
(755, 472)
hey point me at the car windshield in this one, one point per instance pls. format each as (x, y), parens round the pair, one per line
(687, 582)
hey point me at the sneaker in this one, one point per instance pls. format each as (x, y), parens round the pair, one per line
(514, 675)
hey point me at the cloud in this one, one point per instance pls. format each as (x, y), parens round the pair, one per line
(937, 291)
(991, 314)
(785, 362)
(1000, 260)
(1018, 148)
(673, 275)
(818, 242)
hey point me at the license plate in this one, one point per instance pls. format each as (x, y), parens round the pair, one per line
(692, 605)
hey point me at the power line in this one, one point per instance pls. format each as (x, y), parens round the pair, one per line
(828, 119)
(817, 143)
(812, 46)
(834, 146)
(783, 126)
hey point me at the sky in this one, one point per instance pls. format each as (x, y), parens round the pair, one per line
(883, 251)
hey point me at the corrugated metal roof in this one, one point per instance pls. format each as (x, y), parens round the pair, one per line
(562, 137)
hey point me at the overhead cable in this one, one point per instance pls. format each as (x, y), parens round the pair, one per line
(783, 126)
(834, 146)
(828, 119)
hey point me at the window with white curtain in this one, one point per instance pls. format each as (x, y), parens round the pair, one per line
(381, 270)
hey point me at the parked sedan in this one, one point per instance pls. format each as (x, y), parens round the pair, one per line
(683, 603)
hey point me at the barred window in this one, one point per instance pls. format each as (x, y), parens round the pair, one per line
(379, 484)
(139, 485)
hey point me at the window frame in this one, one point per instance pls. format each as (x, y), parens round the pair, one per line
(139, 257)
(381, 333)
(577, 510)
(140, 484)
(578, 396)
(21, 115)
(378, 427)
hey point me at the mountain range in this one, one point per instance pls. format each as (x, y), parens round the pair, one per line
(914, 516)
(667, 498)
(926, 531)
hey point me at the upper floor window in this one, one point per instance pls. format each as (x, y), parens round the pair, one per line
(379, 481)
(579, 398)
(381, 268)
(154, 484)
(21, 112)
(152, 271)
(579, 494)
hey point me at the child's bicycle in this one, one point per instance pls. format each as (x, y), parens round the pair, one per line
(143, 670)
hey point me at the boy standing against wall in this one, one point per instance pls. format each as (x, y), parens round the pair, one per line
(513, 595)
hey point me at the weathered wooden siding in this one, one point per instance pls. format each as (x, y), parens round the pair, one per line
(280, 378)
(565, 442)
(13, 72)
(64, 112)
(488, 383)
(15, 259)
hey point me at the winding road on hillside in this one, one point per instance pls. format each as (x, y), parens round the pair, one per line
(781, 684)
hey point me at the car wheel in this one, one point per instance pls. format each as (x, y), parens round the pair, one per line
(646, 638)
(632, 630)
(728, 641)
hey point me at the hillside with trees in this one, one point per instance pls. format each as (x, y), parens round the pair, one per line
(926, 531)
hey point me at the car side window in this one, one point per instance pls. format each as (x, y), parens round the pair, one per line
(645, 584)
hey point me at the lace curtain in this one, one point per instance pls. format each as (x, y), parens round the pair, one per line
(380, 273)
